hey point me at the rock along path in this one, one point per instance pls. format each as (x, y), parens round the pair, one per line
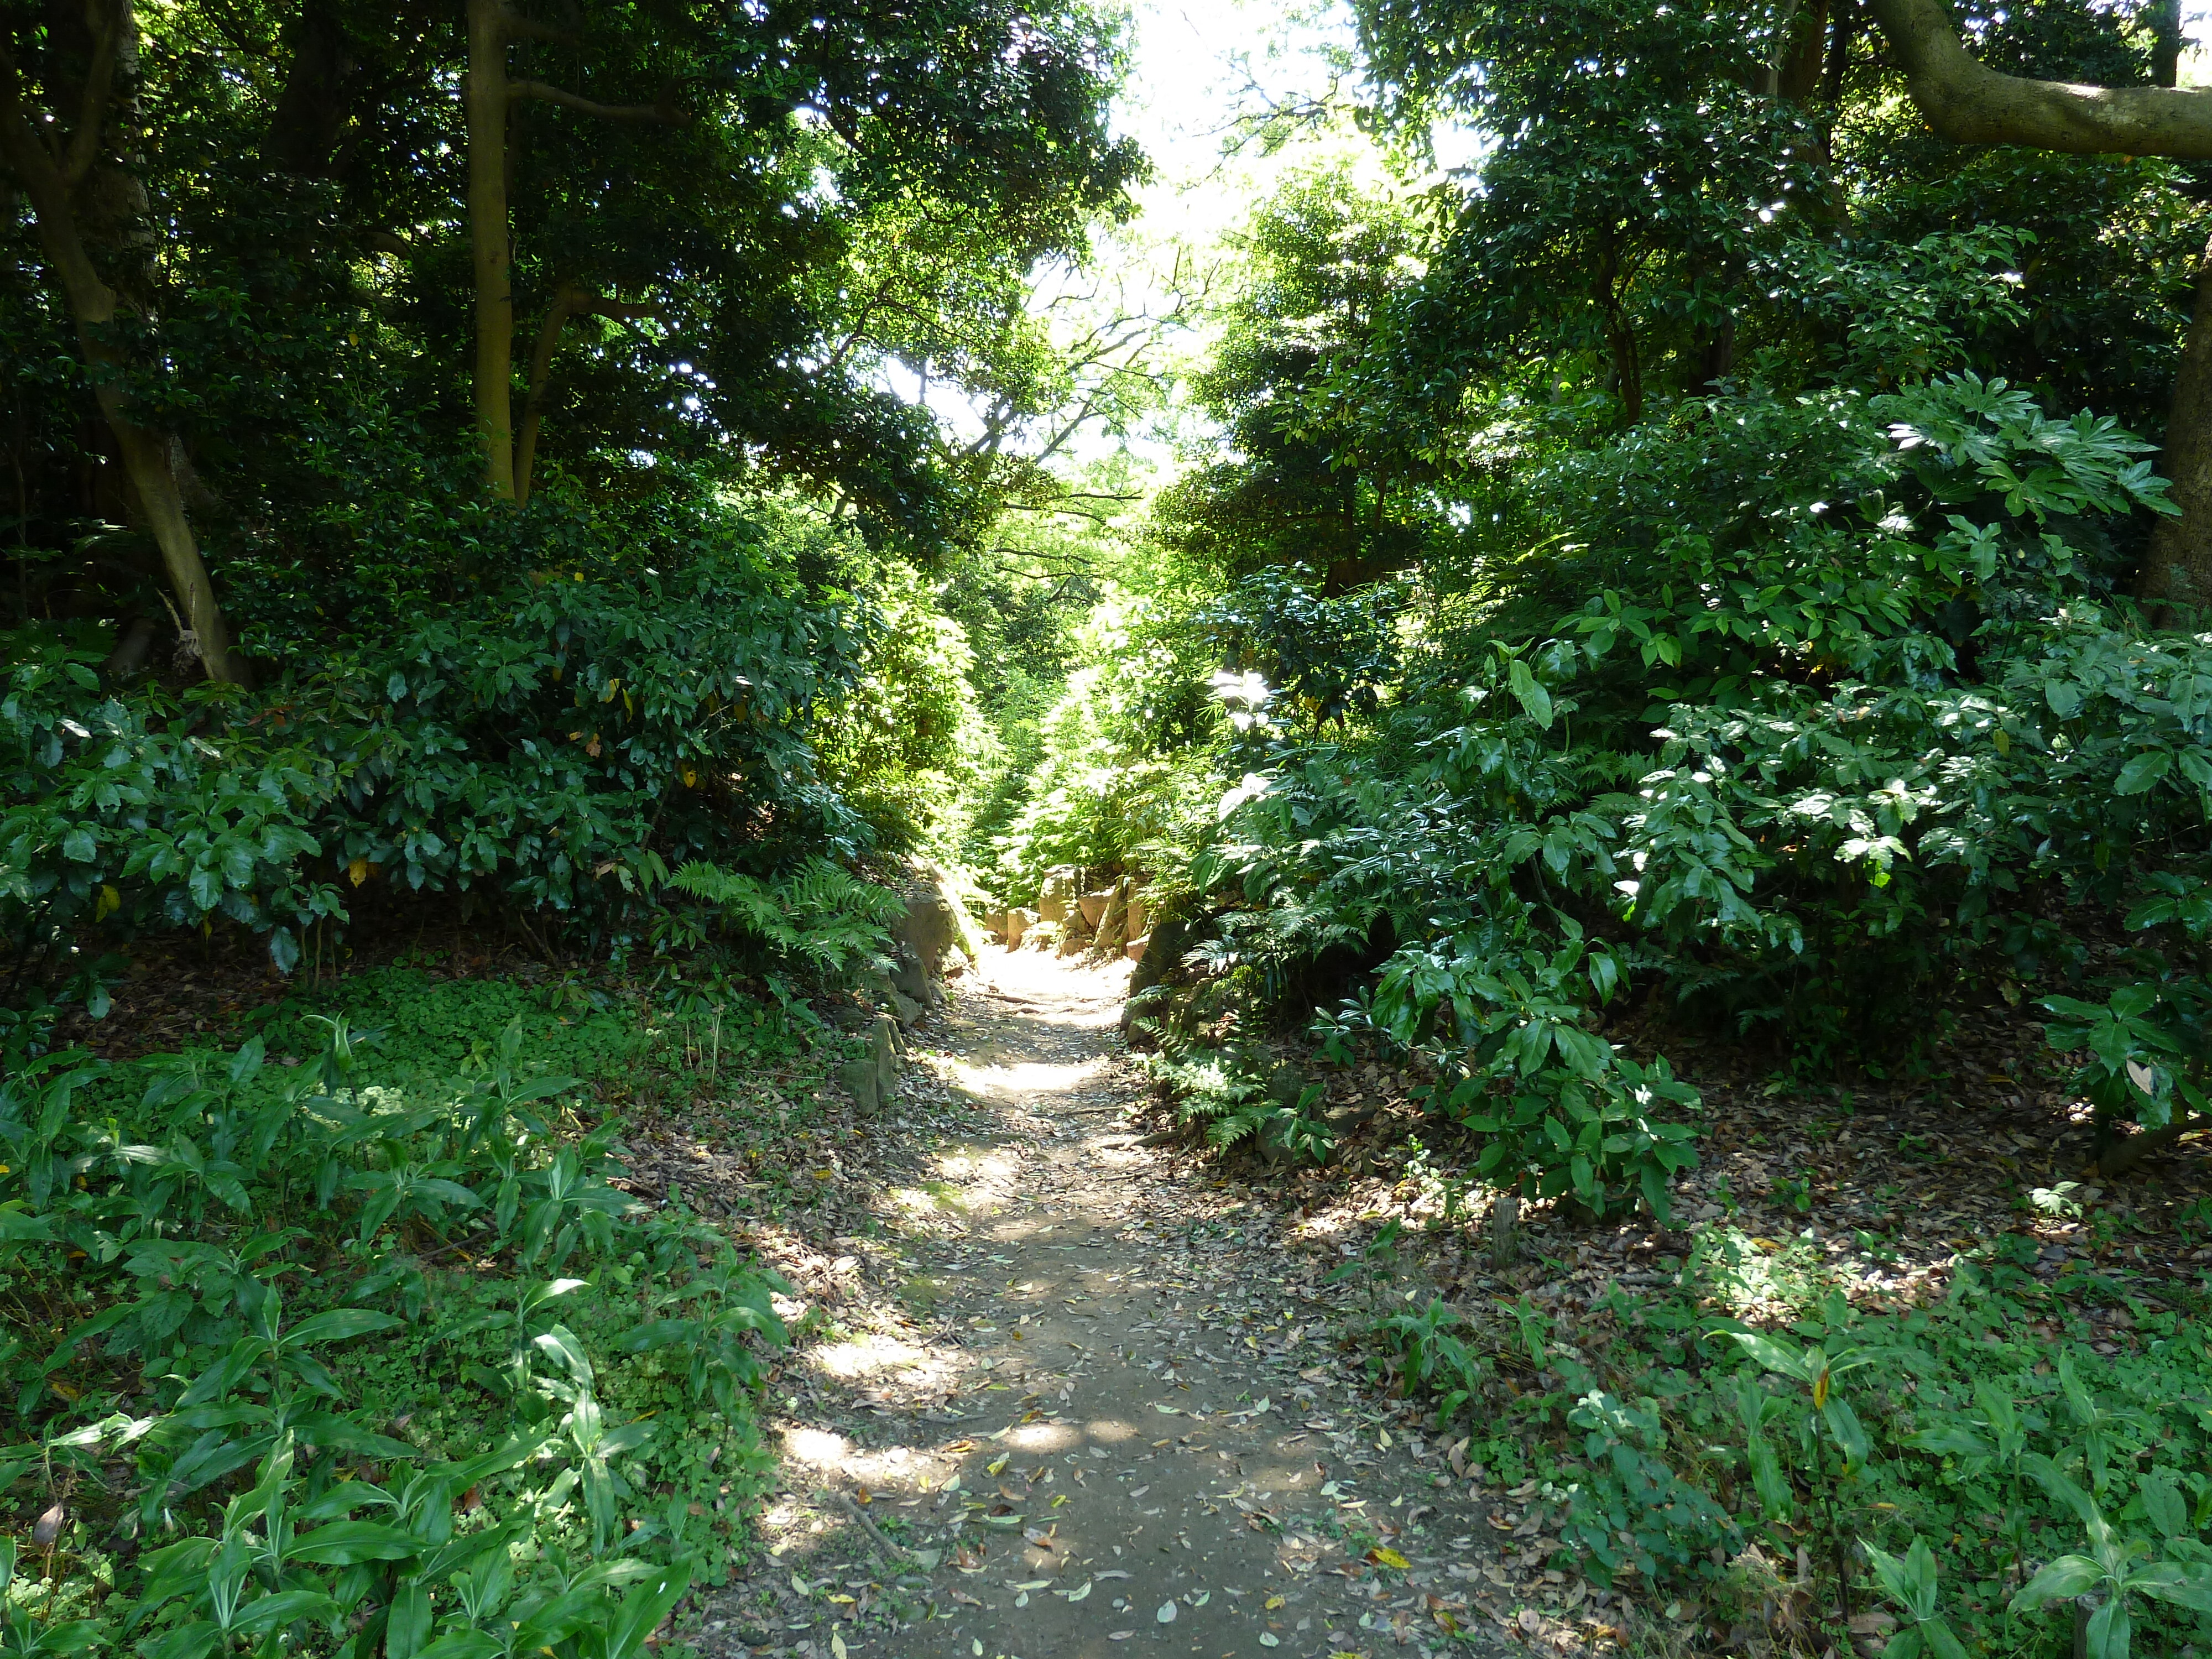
(1104, 1415)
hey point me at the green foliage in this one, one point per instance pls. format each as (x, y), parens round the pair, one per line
(820, 914)
(2109, 1572)
(195, 1243)
(1221, 1090)
(1123, 781)
(906, 745)
(1910, 1584)
(556, 749)
(1971, 1446)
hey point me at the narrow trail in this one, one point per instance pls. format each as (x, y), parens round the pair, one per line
(1091, 1398)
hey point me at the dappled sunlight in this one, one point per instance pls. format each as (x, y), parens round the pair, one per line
(863, 1357)
(1025, 1079)
(885, 1468)
(1052, 991)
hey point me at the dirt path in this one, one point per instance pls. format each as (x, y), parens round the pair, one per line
(1093, 1406)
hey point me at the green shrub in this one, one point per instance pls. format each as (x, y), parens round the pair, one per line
(557, 747)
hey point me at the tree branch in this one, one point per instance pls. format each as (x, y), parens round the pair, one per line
(1969, 103)
(529, 29)
(570, 301)
(92, 107)
(654, 114)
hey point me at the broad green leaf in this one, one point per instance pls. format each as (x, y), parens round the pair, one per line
(340, 1324)
(2143, 772)
(2185, 1584)
(343, 1543)
(1536, 701)
(281, 1608)
(641, 1611)
(2069, 1576)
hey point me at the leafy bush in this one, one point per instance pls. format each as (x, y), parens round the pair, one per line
(1893, 732)
(554, 748)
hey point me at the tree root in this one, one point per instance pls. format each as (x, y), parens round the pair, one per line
(2123, 1155)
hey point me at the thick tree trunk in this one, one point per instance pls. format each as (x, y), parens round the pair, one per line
(485, 96)
(2176, 570)
(50, 181)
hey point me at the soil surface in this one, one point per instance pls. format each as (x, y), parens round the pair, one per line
(1084, 1399)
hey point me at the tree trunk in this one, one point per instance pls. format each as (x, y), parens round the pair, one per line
(50, 182)
(2166, 44)
(484, 97)
(2176, 570)
(1798, 77)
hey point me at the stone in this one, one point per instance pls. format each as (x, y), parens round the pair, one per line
(1136, 917)
(914, 986)
(872, 1078)
(1164, 946)
(1135, 950)
(857, 1077)
(1114, 920)
(930, 928)
(1093, 907)
(1058, 894)
(1018, 923)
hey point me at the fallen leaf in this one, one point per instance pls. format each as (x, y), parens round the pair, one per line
(1167, 1613)
(837, 1644)
(1273, 1601)
(800, 1585)
(1267, 1641)
(997, 1465)
(1388, 1557)
(1078, 1592)
(1111, 1636)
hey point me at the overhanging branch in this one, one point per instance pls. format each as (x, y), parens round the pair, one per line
(650, 114)
(1969, 103)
